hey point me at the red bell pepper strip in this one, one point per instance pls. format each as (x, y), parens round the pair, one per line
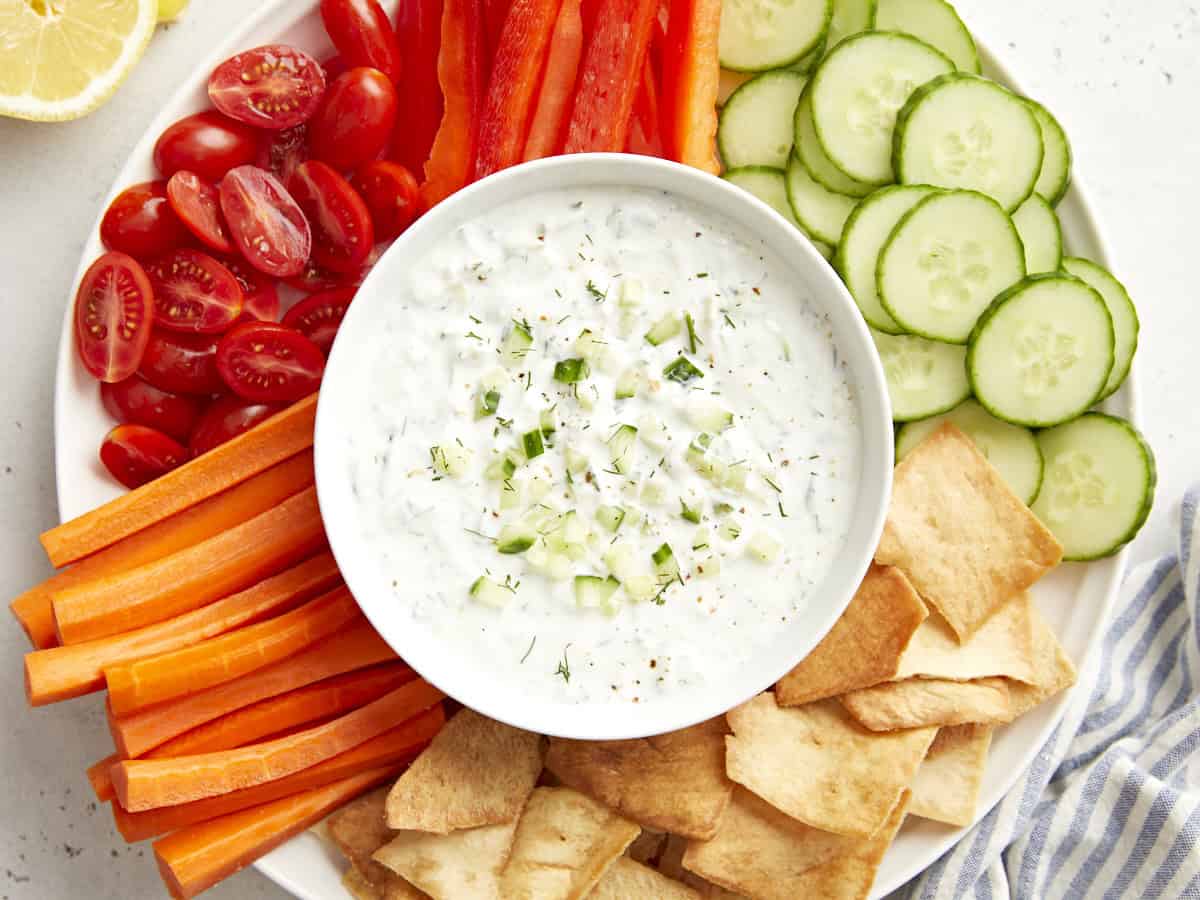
(494, 14)
(610, 75)
(558, 83)
(418, 33)
(461, 73)
(512, 89)
(691, 73)
(645, 131)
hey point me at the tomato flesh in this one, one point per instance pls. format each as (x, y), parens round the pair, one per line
(342, 231)
(266, 223)
(281, 151)
(354, 123)
(196, 203)
(141, 223)
(315, 278)
(269, 363)
(362, 34)
(206, 143)
(135, 401)
(193, 292)
(114, 308)
(182, 363)
(272, 87)
(135, 454)
(319, 316)
(260, 297)
(226, 418)
(391, 195)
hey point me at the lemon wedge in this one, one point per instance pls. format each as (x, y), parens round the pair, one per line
(60, 59)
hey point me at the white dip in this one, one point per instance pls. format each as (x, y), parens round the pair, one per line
(773, 492)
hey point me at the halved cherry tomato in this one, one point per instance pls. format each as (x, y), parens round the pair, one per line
(341, 223)
(273, 87)
(196, 203)
(281, 151)
(260, 298)
(319, 316)
(135, 454)
(363, 35)
(182, 363)
(266, 224)
(114, 307)
(135, 401)
(207, 143)
(226, 418)
(355, 120)
(193, 292)
(391, 195)
(269, 363)
(140, 222)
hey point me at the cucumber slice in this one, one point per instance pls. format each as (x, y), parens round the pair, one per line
(620, 448)
(1013, 450)
(571, 371)
(808, 148)
(594, 592)
(820, 211)
(1055, 177)
(729, 82)
(516, 537)
(945, 262)
(765, 183)
(850, 17)
(1099, 484)
(754, 129)
(489, 593)
(1120, 307)
(516, 343)
(1042, 352)
(810, 60)
(858, 90)
(936, 23)
(664, 329)
(866, 231)
(924, 378)
(963, 131)
(532, 444)
(757, 35)
(1041, 234)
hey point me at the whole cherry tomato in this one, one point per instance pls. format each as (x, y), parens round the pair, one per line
(260, 298)
(319, 316)
(182, 363)
(135, 401)
(391, 195)
(355, 120)
(363, 35)
(226, 418)
(269, 363)
(343, 235)
(265, 222)
(196, 203)
(114, 308)
(140, 222)
(193, 292)
(206, 143)
(135, 454)
(333, 66)
(281, 151)
(272, 87)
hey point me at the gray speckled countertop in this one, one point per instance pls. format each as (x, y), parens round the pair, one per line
(1122, 77)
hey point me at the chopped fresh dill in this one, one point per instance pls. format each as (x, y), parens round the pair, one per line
(480, 534)
(771, 481)
(781, 511)
(528, 650)
(475, 319)
(598, 295)
(564, 666)
(728, 321)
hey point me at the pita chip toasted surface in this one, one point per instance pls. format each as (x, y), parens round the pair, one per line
(464, 863)
(946, 788)
(1002, 646)
(647, 847)
(920, 702)
(388, 887)
(629, 880)
(673, 782)
(819, 766)
(1053, 670)
(358, 830)
(865, 645)
(965, 541)
(475, 772)
(564, 842)
(671, 865)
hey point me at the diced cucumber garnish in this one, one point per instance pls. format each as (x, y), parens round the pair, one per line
(729, 530)
(621, 561)
(697, 450)
(594, 592)
(664, 561)
(632, 293)
(487, 404)
(610, 517)
(571, 371)
(689, 513)
(664, 329)
(620, 447)
(516, 344)
(510, 494)
(590, 345)
(735, 476)
(709, 567)
(708, 415)
(450, 458)
(701, 539)
(576, 462)
(682, 370)
(641, 587)
(763, 547)
(653, 432)
(548, 424)
(532, 444)
(629, 382)
(653, 493)
(516, 537)
(490, 593)
(500, 468)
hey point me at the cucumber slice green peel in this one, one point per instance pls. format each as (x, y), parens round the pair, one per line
(753, 128)
(1124, 316)
(936, 23)
(1041, 234)
(571, 371)
(1055, 177)
(821, 212)
(924, 378)
(757, 35)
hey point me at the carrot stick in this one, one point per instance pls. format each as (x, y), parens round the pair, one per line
(272, 441)
(232, 507)
(400, 745)
(63, 672)
(191, 578)
(691, 76)
(149, 783)
(196, 858)
(144, 682)
(356, 647)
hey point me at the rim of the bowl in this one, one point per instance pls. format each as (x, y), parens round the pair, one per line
(598, 721)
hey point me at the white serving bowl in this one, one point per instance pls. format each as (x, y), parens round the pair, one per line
(344, 379)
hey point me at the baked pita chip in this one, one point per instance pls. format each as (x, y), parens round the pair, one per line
(965, 541)
(819, 766)
(946, 788)
(1053, 670)
(390, 887)
(647, 847)
(464, 863)
(565, 841)
(920, 702)
(672, 782)
(865, 645)
(358, 830)
(671, 865)
(1002, 646)
(629, 880)
(476, 771)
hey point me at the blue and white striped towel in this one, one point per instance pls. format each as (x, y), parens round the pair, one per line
(1110, 808)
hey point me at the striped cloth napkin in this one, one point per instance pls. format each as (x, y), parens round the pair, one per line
(1110, 808)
